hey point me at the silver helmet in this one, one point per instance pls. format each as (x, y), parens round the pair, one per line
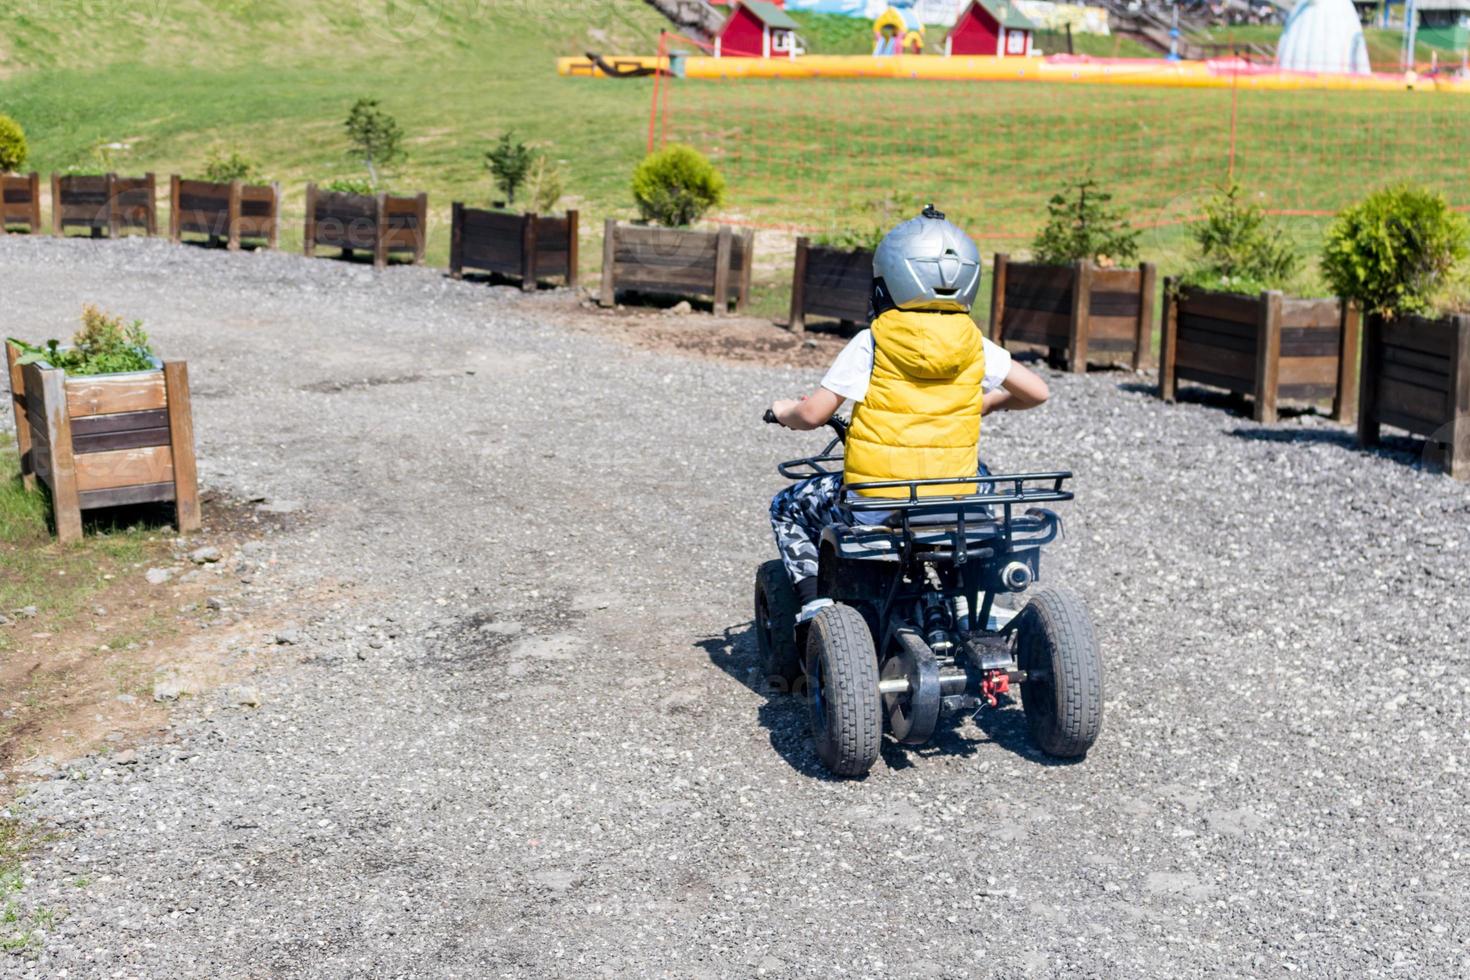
(926, 263)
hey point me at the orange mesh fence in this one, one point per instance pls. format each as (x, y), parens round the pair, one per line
(819, 154)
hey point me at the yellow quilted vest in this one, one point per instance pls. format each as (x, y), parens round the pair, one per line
(921, 417)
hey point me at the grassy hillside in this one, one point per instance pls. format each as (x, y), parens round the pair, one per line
(1384, 46)
(276, 79)
(154, 85)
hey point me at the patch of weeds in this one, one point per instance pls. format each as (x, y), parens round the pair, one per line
(58, 580)
(122, 639)
(18, 925)
(131, 678)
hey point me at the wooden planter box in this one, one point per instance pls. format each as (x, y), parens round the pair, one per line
(1268, 346)
(20, 201)
(379, 223)
(525, 245)
(229, 211)
(1078, 311)
(1416, 376)
(830, 282)
(104, 202)
(677, 262)
(105, 440)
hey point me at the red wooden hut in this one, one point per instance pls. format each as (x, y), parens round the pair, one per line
(993, 27)
(757, 29)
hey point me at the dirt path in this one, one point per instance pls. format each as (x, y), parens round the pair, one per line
(516, 731)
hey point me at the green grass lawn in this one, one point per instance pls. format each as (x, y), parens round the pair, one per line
(166, 82)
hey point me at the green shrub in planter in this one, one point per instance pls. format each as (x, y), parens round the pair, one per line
(1396, 250)
(104, 345)
(349, 185)
(13, 146)
(1081, 225)
(676, 186)
(1241, 250)
(222, 167)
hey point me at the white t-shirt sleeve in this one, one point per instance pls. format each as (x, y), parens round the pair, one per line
(997, 366)
(853, 368)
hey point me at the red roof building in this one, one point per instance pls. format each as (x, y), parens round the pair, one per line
(992, 27)
(757, 29)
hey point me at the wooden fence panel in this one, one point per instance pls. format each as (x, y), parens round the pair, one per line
(1268, 347)
(677, 261)
(20, 201)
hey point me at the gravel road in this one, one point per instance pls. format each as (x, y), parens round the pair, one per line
(518, 732)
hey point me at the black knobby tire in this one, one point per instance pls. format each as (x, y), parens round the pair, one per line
(1063, 693)
(776, 607)
(842, 691)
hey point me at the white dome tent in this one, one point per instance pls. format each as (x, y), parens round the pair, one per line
(1325, 36)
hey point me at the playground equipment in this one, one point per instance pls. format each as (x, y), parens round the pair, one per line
(898, 30)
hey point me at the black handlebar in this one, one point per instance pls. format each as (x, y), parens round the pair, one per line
(820, 464)
(836, 423)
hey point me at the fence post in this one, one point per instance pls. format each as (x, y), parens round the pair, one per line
(608, 290)
(22, 426)
(181, 445)
(1081, 317)
(1143, 350)
(573, 249)
(421, 241)
(274, 238)
(1368, 426)
(528, 252)
(1349, 348)
(110, 190)
(308, 244)
(150, 221)
(797, 322)
(456, 240)
(35, 203)
(173, 209)
(1169, 343)
(56, 224)
(380, 231)
(65, 500)
(232, 215)
(722, 270)
(1457, 461)
(1268, 355)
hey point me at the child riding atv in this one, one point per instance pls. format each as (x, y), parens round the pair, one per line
(920, 378)
(882, 605)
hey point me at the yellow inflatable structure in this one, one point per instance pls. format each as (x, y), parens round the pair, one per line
(1222, 73)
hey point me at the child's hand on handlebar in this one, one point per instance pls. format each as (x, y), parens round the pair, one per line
(782, 409)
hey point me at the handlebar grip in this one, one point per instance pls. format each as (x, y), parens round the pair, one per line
(770, 418)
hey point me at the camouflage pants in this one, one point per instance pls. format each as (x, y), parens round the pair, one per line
(798, 515)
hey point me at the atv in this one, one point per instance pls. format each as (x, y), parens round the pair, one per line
(914, 633)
